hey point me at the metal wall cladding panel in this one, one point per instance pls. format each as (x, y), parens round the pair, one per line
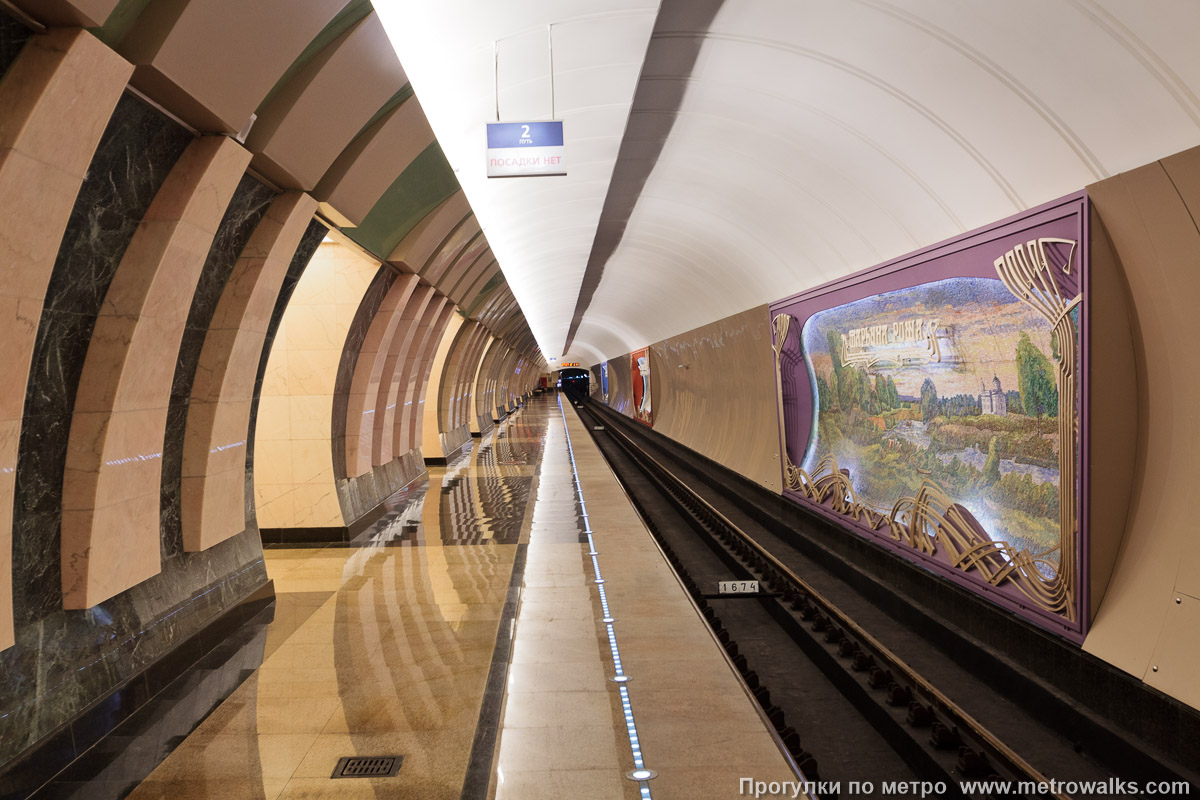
(714, 391)
(620, 385)
(1148, 215)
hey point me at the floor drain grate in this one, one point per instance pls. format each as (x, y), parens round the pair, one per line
(368, 767)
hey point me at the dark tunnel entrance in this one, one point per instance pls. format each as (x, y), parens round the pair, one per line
(575, 382)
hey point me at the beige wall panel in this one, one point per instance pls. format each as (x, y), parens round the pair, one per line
(55, 101)
(110, 521)
(449, 250)
(423, 240)
(713, 390)
(213, 62)
(620, 385)
(391, 384)
(1178, 652)
(425, 404)
(309, 122)
(68, 13)
(1156, 240)
(1113, 410)
(368, 372)
(373, 161)
(218, 421)
(439, 367)
(1184, 172)
(293, 476)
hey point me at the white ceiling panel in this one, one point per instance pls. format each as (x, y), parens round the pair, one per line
(540, 229)
(770, 146)
(819, 137)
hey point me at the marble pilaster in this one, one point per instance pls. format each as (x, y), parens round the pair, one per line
(366, 385)
(409, 403)
(391, 386)
(425, 428)
(246, 208)
(214, 461)
(111, 488)
(359, 332)
(57, 95)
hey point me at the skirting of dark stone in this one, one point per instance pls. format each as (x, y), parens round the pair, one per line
(360, 495)
(323, 534)
(454, 440)
(332, 534)
(85, 735)
(1113, 714)
(453, 455)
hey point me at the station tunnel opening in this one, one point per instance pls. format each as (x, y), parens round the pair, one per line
(575, 382)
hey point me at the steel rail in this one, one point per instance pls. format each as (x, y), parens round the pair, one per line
(993, 746)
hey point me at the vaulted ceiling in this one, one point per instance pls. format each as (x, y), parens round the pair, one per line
(723, 154)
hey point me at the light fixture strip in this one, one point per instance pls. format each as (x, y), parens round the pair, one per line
(635, 744)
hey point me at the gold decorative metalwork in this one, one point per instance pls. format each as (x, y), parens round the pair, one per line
(932, 519)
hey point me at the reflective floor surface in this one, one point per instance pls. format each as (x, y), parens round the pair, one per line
(466, 633)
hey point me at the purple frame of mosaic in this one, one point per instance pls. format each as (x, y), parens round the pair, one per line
(970, 255)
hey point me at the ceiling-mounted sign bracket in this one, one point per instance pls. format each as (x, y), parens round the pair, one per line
(525, 149)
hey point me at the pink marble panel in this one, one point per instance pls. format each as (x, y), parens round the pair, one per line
(365, 385)
(454, 243)
(409, 430)
(365, 169)
(306, 125)
(464, 339)
(214, 72)
(110, 521)
(392, 376)
(449, 282)
(415, 249)
(55, 101)
(464, 379)
(480, 274)
(218, 422)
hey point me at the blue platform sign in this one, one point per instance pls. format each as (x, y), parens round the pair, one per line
(517, 149)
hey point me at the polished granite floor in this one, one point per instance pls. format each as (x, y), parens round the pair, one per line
(467, 633)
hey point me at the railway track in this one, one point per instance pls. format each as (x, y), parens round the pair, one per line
(857, 717)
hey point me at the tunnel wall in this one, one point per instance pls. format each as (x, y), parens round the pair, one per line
(1148, 622)
(712, 393)
(1142, 559)
(713, 390)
